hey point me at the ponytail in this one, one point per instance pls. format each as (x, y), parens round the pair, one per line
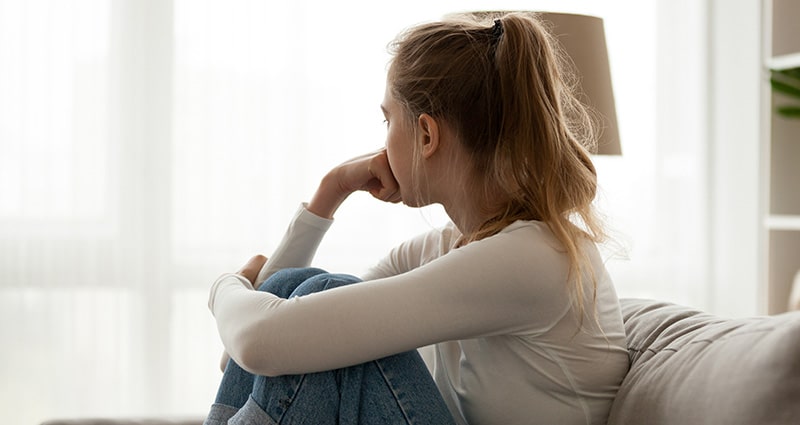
(541, 149)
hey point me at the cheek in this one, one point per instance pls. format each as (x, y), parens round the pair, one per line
(399, 150)
(395, 152)
(396, 164)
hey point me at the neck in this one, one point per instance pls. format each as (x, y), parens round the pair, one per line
(470, 212)
(454, 184)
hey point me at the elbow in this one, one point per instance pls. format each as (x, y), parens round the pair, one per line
(223, 361)
(252, 353)
(256, 364)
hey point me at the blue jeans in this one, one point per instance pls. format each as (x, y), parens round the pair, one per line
(394, 390)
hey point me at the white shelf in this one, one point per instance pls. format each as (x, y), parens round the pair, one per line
(783, 222)
(781, 155)
(780, 63)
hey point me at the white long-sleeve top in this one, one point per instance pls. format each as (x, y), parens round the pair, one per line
(507, 345)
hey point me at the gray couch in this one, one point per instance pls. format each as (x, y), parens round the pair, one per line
(687, 367)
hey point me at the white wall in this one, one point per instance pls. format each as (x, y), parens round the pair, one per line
(734, 152)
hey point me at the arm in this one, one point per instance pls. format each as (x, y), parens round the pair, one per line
(368, 172)
(247, 272)
(415, 252)
(299, 243)
(492, 287)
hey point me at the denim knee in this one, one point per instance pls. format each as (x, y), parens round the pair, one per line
(322, 282)
(284, 281)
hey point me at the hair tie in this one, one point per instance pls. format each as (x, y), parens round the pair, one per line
(497, 31)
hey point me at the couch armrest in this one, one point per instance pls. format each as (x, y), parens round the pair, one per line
(692, 367)
(126, 421)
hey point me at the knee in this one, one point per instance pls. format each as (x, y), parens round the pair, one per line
(288, 279)
(322, 282)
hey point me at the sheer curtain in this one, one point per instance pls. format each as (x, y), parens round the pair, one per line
(148, 145)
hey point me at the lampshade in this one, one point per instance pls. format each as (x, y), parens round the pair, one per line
(582, 38)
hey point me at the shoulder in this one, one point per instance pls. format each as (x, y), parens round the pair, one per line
(524, 255)
(528, 242)
(415, 252)
(529, 253)
(531, 232)
(518, 241)
(534, 238)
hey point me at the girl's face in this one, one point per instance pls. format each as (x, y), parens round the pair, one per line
(400, 147)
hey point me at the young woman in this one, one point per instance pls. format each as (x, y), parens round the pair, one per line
(512, 294)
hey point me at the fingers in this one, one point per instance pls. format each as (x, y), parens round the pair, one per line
(369, 172)
(383, 184)
(253, 266)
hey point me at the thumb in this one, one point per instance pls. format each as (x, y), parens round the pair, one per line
(384, 185)
(251, 269)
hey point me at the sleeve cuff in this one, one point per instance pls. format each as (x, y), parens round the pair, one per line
(299, 243)
(223, 281)
(305, 216)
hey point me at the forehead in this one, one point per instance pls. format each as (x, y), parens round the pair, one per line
(389, 103)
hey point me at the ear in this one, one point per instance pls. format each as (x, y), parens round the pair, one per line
(429, 134)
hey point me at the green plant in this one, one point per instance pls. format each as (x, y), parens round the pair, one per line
(787, 81)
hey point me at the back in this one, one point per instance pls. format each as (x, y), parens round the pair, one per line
(555, 376)
(541, 369)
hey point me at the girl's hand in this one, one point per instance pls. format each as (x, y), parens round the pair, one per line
(370, 173)
(251, 269)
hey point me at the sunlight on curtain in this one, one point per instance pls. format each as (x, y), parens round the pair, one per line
(54, 89)
(147, 146)
(268, 98)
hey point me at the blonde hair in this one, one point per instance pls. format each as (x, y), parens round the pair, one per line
(502, 85)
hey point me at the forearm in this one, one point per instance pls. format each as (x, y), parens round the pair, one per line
(473, 292)
(299, 243)
(328, 197)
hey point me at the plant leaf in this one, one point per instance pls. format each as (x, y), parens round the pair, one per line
(787, 81)
(793, 73)
(784, 88)
(789, 111)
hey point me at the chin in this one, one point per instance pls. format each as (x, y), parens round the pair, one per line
(410, 203)
(415, 203)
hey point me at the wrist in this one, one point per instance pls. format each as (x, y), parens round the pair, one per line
(328, 197)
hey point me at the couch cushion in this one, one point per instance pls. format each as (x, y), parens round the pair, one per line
(689, 367)
(127, 421)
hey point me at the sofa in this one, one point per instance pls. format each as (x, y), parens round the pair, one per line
(687, 367)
